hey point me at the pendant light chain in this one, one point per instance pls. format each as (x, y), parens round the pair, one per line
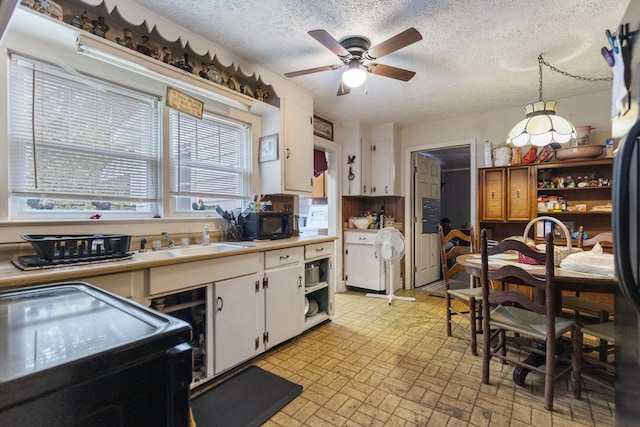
(541, 61)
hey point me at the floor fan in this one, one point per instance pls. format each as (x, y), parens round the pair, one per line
(389, 246)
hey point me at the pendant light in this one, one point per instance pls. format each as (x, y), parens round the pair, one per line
(541, 126)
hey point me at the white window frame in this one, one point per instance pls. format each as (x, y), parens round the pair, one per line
(209, 133)
(65, 130)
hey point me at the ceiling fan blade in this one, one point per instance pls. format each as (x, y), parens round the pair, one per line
(343, 89)
(312, 70)
(329, 42)
(396, 42)
(389, 71)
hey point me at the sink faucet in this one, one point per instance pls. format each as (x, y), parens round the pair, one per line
(168, 237)
(143, 242)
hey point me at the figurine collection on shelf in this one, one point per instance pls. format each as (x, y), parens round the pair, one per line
(46, 7)
(146, 47)
(579, 182)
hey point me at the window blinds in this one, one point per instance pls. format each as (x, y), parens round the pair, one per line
(80, 138)
(209, 157)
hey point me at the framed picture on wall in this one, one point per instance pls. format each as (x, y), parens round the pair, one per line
(322, 128)
(268, 148)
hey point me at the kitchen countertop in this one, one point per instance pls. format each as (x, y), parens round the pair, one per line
(12, 277)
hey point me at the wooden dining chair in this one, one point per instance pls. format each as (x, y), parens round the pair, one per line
(596, 311)
(532, 323)
(469, 296)
(599, 371)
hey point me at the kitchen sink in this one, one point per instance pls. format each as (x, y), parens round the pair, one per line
(168, 253)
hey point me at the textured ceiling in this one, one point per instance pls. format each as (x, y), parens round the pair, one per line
(475, 56)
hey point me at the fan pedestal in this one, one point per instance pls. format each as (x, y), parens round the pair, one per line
(389, 244)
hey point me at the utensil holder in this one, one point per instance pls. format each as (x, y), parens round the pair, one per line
(234, 232)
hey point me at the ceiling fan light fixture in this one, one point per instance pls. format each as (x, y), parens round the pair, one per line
(354, 76)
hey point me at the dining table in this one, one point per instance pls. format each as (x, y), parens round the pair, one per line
(564, 279)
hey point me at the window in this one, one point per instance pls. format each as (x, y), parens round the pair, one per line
(210, 162)
(79, 144)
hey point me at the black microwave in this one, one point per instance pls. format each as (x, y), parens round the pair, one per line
(268, 225)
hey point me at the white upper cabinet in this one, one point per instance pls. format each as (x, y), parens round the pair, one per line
(357, 154)
(376, 168)
(385, 160)
(292, 171)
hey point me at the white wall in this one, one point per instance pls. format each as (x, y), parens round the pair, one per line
(592, 109)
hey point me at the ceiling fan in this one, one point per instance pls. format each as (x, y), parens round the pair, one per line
(356, 55)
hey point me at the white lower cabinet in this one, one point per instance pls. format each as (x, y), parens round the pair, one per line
(362, 267)
(249, 304)
(284, 293)
(318, 293)
(238, 320)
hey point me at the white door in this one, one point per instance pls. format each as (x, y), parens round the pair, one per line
(426, 210)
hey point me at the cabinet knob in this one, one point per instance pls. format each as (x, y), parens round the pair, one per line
(518, 193)
(386, 189)
(299, 282)
(319, 249)
(220, 303)
(288, 153)
(493, 195)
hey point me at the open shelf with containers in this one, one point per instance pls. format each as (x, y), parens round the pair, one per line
(190, 306)
(318, 265)
(576, 193)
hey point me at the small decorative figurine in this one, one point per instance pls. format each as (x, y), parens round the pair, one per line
(204, 72)
(100, 27)
(147, 48)
(128, 39)
(214, 74)
(183, 63)
(260, 94)
(87, 24)
(167, 57)
(76, 21)
(231, 83)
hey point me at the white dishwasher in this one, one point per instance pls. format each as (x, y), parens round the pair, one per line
(362, 267)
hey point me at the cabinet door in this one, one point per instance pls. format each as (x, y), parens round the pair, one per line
(362, 267)
(298, 148)
(284, 300)
(492, 187)
(383, 168)
(519, 194)
(366, 165)
(238, 320)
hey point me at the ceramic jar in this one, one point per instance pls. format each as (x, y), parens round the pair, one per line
(502, 156)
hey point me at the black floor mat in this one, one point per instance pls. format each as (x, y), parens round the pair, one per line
(247, 399)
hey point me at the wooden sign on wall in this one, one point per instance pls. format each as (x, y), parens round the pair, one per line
(184, 103)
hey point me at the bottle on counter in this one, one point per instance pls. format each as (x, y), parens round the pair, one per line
(206, 236)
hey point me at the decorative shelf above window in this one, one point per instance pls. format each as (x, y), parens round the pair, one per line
(129, 36)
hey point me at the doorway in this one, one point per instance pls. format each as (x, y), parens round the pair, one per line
(458, 188)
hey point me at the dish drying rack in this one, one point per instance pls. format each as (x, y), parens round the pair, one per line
(79, 248)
